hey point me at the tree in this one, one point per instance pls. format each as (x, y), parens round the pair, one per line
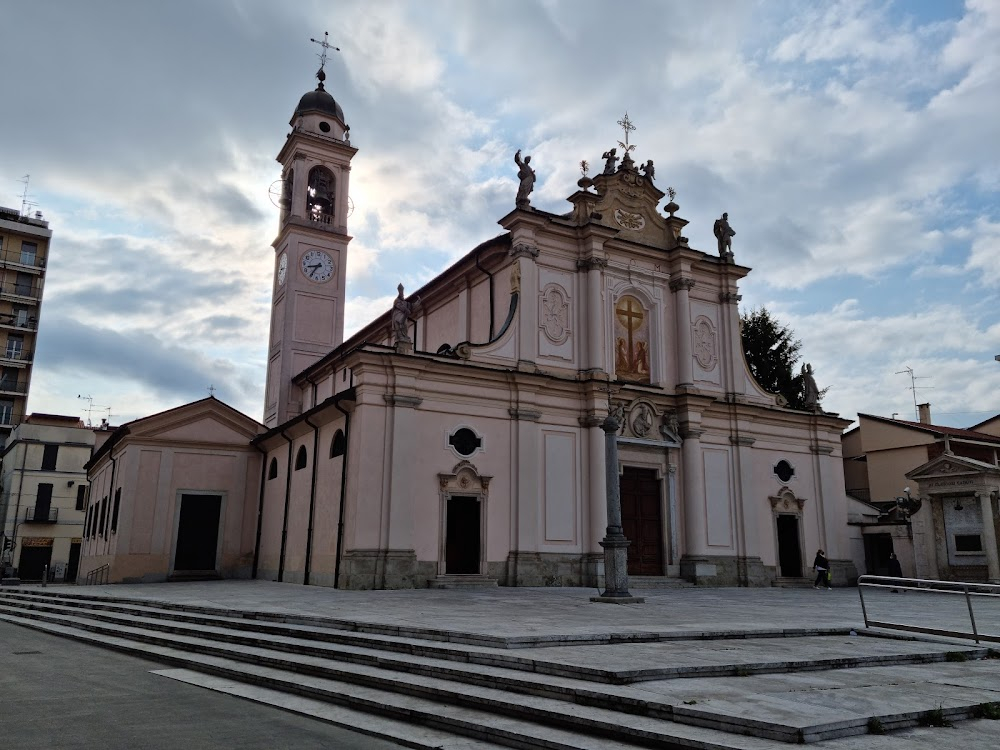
(772, 351)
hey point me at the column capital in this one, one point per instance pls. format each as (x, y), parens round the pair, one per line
(591, 264)
(685, 283)
(523, 249)
(730, 298)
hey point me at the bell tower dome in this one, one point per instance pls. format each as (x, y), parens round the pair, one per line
(310, 264)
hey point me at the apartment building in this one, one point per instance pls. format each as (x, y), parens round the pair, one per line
(24, 249)
(43, 498)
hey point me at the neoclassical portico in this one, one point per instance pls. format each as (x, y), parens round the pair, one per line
(955, 531)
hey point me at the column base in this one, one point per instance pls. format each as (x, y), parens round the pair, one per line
(618, 599)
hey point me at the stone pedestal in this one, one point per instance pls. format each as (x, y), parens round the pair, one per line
(614, 543)
(404, 346)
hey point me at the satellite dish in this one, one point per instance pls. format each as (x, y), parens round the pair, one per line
(277, 193)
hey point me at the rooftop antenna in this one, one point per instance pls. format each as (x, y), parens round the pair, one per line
(26, 205)
(90, 409)
(913, 387)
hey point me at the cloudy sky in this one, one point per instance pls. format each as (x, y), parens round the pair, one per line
(855, 145)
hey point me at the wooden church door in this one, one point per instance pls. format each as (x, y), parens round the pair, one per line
(642, 521)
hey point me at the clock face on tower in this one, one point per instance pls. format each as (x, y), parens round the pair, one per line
(282, 268)
(317, 266)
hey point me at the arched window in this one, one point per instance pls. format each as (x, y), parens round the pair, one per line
(272, 470)
(339, 445)
(300, 458)
(286, 190)
(320, 195)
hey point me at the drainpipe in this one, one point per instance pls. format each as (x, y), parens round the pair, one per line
(284, 523)
(260, 511)
(312, 496)
(491, 290)
(343, 491)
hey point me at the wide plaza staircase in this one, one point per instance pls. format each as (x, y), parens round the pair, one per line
(444, 689)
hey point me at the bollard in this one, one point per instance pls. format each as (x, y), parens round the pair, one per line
(45, 576)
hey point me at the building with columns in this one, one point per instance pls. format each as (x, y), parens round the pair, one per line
(936, 488)
(456, 439)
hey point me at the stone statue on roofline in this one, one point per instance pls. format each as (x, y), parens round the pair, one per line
(648, 170)
(610, 159)
(724, 234)
(401, 312)
(527, 177)
(810, 398)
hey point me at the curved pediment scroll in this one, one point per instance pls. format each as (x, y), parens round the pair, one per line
(786, 502)
(465, 478)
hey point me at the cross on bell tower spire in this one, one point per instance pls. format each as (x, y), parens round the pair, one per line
(627, 126)
(325, 44)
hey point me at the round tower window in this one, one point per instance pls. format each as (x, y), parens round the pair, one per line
(325, 127)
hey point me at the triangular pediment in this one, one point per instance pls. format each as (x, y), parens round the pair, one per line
(205, 421)
(627, 201)
(949, 466)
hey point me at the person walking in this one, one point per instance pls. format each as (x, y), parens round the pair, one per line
(822, 566)
(895, 569)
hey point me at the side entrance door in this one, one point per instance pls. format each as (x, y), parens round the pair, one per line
(462, 543)
(198, 532)
(642, 521)
(789, 548)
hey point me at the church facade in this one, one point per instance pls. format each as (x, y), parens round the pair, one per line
(457, 438)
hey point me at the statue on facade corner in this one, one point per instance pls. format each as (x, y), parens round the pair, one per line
(401, 312)
(724, 234)
(527, 177)
(810, 397)
(648, 170)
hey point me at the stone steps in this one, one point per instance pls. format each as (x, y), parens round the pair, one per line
(611, 688)
(484, 713)
(461, 582)
(367, 648)
(658, 582)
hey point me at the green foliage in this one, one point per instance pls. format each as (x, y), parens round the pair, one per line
(875, 726)
(743, 671)
(772, 351)
(935, 718)
(987, 711)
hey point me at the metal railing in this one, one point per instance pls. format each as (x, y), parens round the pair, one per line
(35, 514)
(98, 576)
(21, 290)
(970, 592)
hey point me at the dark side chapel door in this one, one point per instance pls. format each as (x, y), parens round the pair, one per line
(642, 521)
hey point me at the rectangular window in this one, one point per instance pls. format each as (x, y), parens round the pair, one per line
(8, 379)
(15, 345)
(6, 411)
(28, 252)
(19, 316)
(43, 502)
(23, 284)
(968, 543)
(102, 516)
(114, 512)
(81, 496)
(86, 523)
(49, 456)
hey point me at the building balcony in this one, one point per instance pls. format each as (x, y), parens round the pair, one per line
(21, 291)
(41, 515)
(13, 387)
(18, 322)
(27, 263)
(15, 357)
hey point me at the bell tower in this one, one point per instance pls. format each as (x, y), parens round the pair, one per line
(310, 261)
